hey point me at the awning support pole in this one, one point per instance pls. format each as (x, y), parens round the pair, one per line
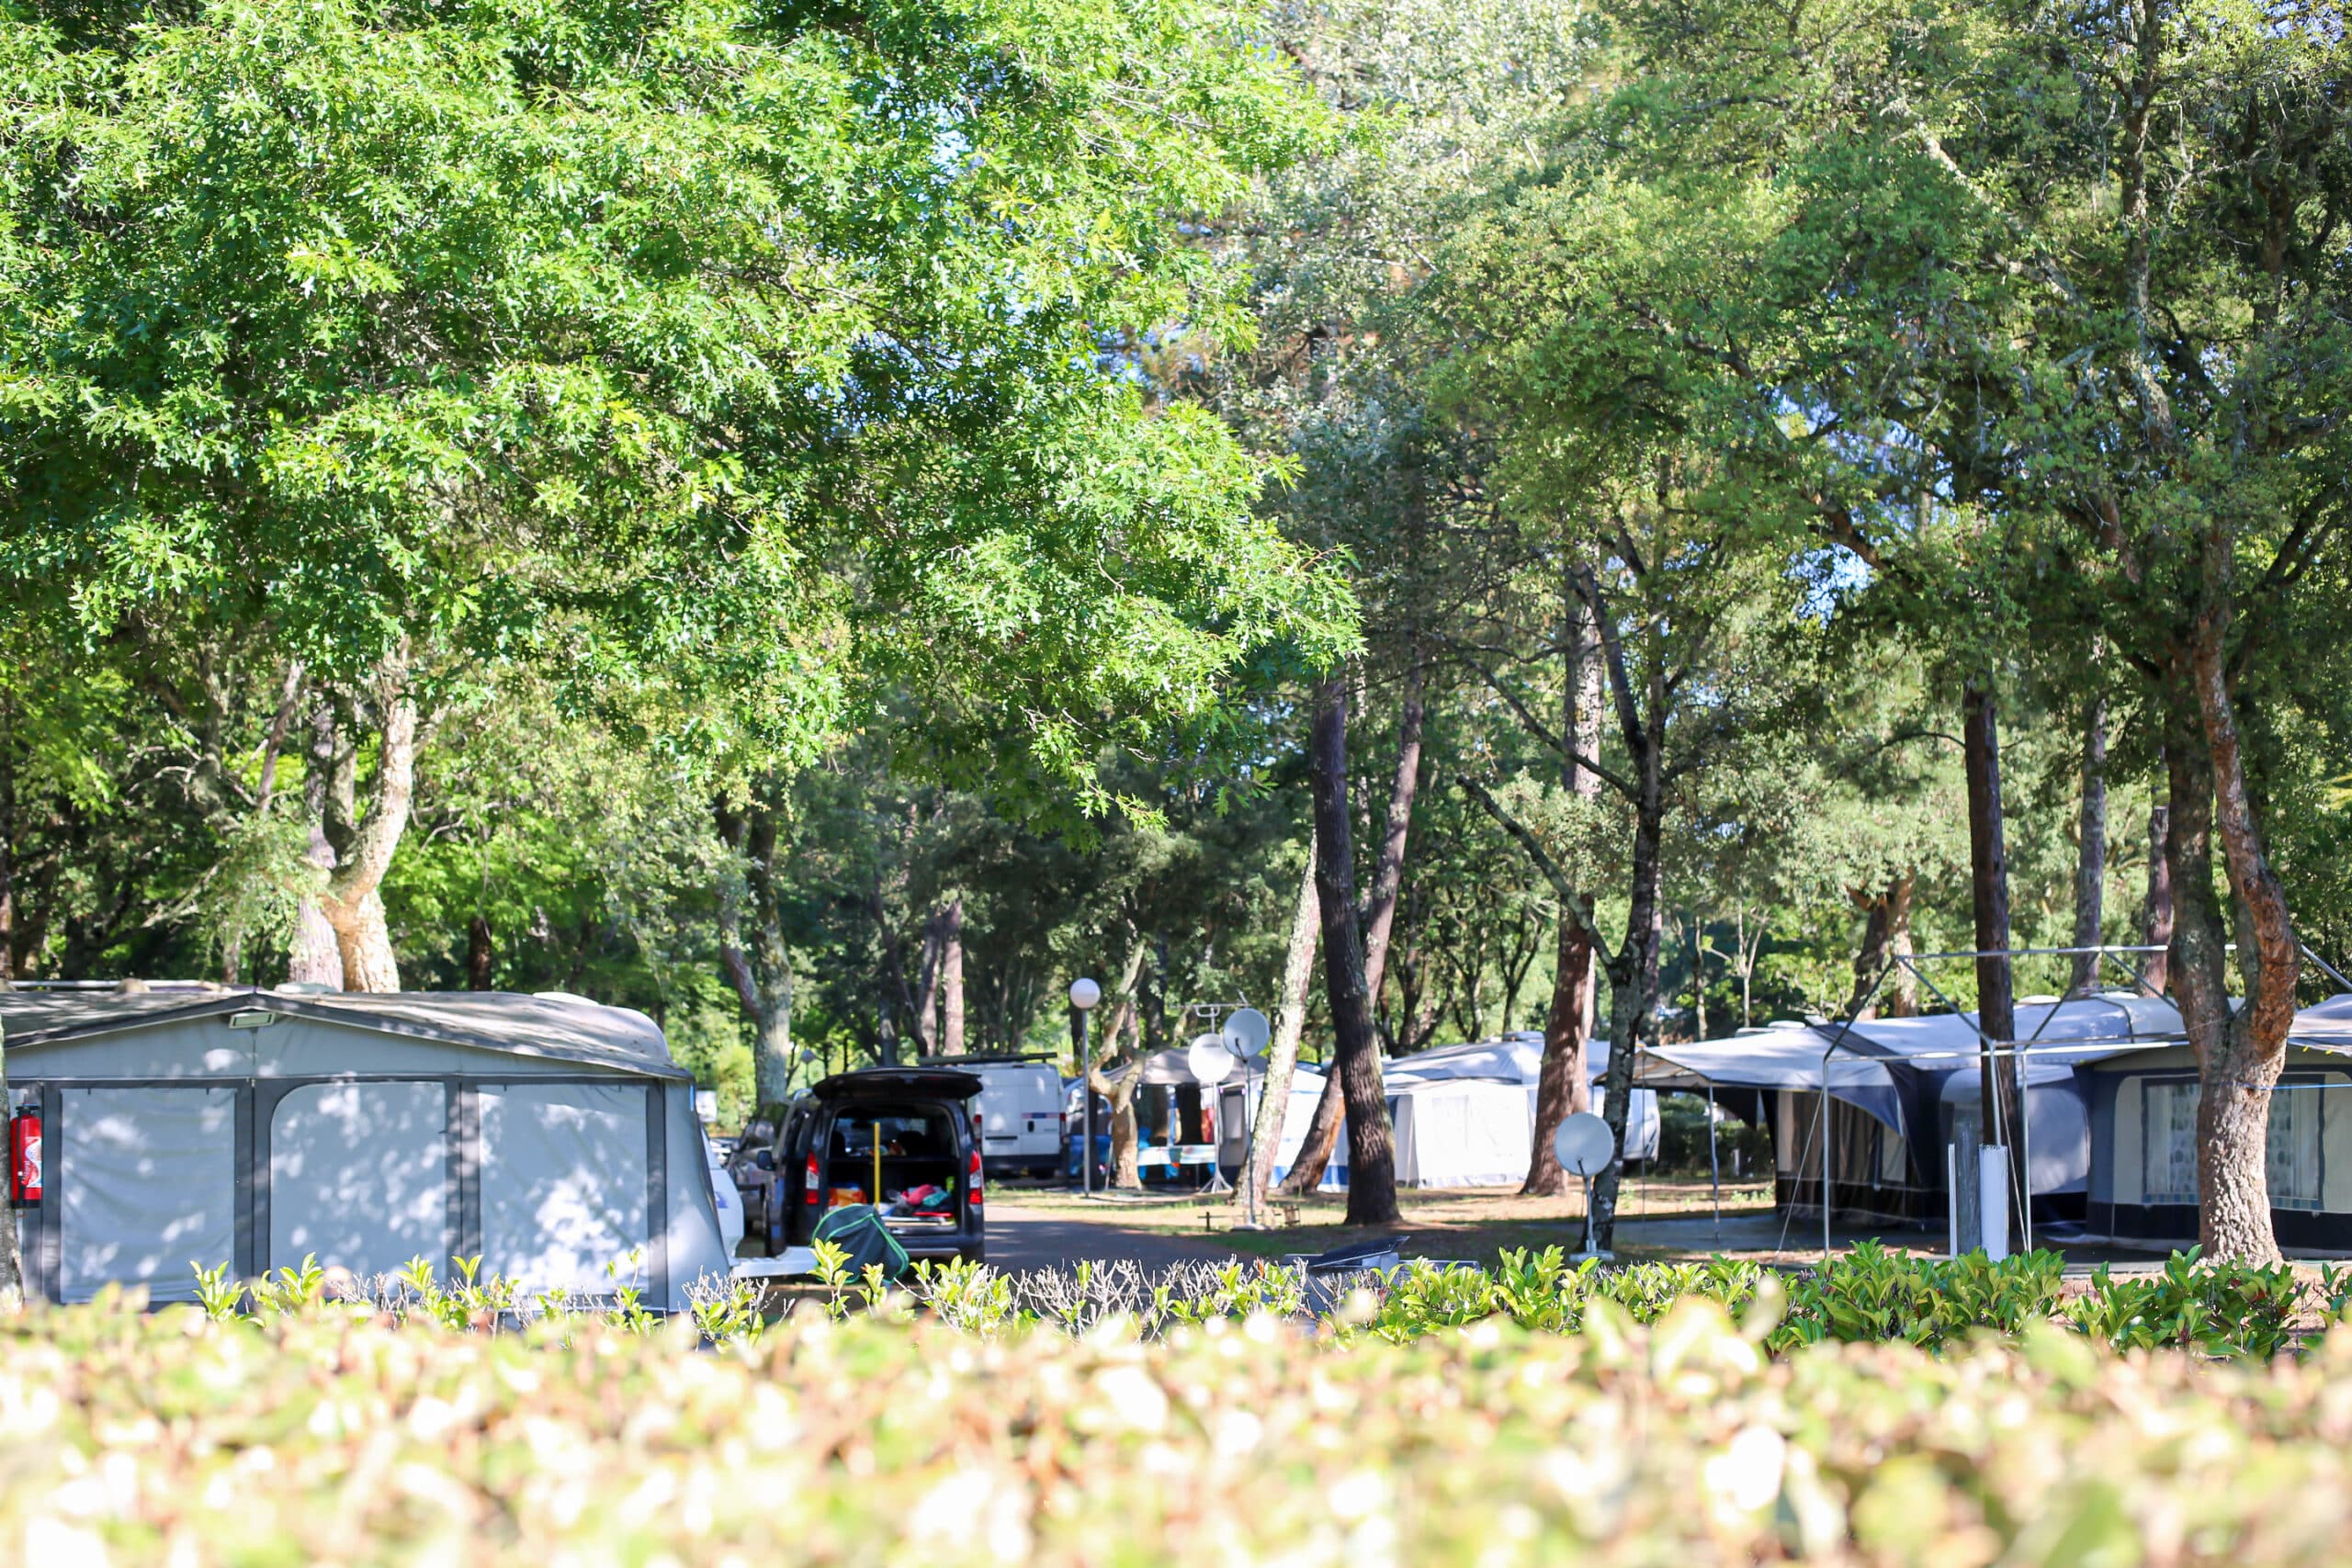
(1714, 1166)
(1826, 1133)
(2025, 1133)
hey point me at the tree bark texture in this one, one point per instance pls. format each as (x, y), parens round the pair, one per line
(926, 1009)
(1886, 937)
(1282, 1054)
(2155, 913)
(2090, 859)
(1380, 914)
(1632, 987)
(1988, 865)
(314, 959)
(1633, 970)
(364, 843)
(951, 979)
(2233, 1127)
(2239, 1078)
(1372, 1156)
(1564, 1084)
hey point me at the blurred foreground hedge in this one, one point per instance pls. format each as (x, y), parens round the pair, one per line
(326, 1438)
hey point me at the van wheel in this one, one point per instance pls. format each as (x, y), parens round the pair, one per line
(973, 1253)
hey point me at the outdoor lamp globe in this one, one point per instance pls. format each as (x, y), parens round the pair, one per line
(1084, 994)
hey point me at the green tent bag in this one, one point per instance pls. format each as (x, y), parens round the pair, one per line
(857, 1229)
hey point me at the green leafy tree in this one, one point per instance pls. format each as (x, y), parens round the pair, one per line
(717, 363)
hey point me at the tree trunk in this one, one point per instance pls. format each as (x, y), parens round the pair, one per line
(2155, 914)
(1988, 863)
(1903, 986)
(8, 853)
(315, 960)
(1698, 976)
(479, 955)
(2090, 861)
(1372, 1157)
(1564, 1086)
(1127, 1019)
(758, 963)
(1380, 914)
(363, 846)
(926, 1010)
(1632, 980)
(2234, 1217)
(1887, 936)
(1281, 1055)
(951, 979)
(12, 1268)
(2233, 1130)
(1388, 873)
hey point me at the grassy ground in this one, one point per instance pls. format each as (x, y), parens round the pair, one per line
(1474, 1224)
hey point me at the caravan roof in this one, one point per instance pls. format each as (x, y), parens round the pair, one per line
(560, 1027)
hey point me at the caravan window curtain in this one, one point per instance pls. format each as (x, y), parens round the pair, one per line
(2168, 1147)
(2294, 1157)
(147, 1187)
(563, 1185)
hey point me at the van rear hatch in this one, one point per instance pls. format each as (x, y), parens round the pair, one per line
(899, 1139)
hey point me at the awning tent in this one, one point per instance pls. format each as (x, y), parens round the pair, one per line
(552, 1137)
(1484, 1142)
(1462, 1133)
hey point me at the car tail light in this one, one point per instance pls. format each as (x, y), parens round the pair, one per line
(972, 1170)
(24, 1158)
(809, 1183)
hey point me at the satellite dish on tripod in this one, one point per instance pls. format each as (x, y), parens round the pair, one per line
(1246, 1032)
(1584, 1147)
(1210, 1059)
(1583, 1144)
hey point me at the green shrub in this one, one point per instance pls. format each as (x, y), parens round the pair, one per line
(329, 1433)
(1864, 1296)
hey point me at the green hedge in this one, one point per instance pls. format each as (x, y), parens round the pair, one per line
(336, 1435)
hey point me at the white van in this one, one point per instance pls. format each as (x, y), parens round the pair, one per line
(1019, 1110)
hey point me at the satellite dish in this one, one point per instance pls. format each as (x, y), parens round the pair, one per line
(1584, 1144)
(1246, 1032)
(1209, 1060)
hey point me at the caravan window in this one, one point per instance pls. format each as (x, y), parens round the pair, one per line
(2293, 1170)
(359, 1177)
(147, 1183)
(563, 1185)
(2169, 1144)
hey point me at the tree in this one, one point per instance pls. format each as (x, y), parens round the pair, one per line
(1372, 1156)
(2108, 246)
(689, 356)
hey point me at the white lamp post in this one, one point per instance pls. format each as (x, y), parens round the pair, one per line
(1083, 994)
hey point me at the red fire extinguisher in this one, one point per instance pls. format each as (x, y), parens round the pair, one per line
(24, 1159)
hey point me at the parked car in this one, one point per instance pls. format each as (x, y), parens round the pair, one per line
(750, 1164)
(725, 1196)
(898, 1137)
(1019, 1110)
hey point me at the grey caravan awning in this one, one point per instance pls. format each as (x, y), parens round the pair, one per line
(1783, 1056)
